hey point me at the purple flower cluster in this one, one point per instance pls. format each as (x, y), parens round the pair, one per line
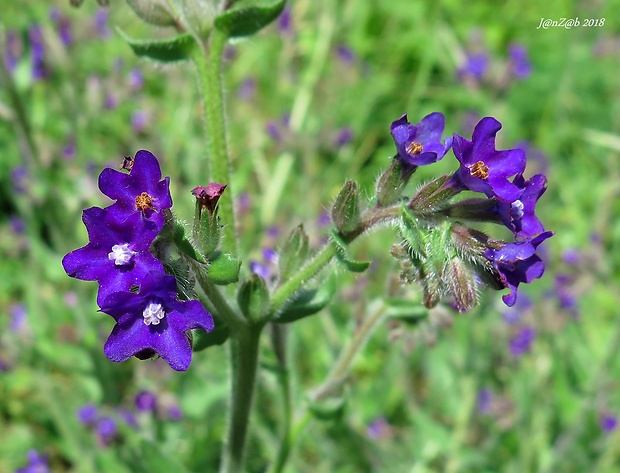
(498, 174)
(133, 287)
(37, 463)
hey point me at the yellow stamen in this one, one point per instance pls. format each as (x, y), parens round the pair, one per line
(479, 170)
(144, 202)
(414, 148)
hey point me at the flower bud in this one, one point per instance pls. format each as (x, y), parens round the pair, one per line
(198, 16)
(346, 210)
(293, 253)
(391, 183)
(461, 284)
(206, 229)
(253, 298)
(155, 12)
(476, 209)
(435, 195)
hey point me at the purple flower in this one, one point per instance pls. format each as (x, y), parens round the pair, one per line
(485, 169)
(285, 22)
(269, 255)
(247, 89)
(37, 52)
(519, 215)
(345, 54)
(517, 263)
(519, 62)
(117, 255)
(88, 414)
(476, 65)
(608, 423)
(379, 429)
(485, 398)
(17, 224)
(273, 130)
(141, 192)
(101, 23)
(19, 178)
(63, 27)
(260, 269)
(174, 412)
(345, 135)
(19, 317)
(154, 321)
(324, 219)
(571, 256)
(136, 80)
(146, 401)
(139, 121)
(513, 315)
(110, 101)
(37, 463)
(521, 342)
(209, 195)
(106, 430)
(420, 144)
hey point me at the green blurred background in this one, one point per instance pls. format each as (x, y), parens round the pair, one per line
(309, 105)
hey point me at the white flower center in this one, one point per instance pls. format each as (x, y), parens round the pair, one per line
(121, 254)
(517, 209)
(153, 314)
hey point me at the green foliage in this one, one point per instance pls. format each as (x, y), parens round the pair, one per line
(246, 17)
(413, 393)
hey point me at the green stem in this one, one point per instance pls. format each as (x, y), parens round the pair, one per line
(325, 255)
(244, 349)
(208, 62)
(279, 341)
(339, 372)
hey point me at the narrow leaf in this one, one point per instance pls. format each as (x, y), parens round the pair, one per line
(309, 301)
(343, 256)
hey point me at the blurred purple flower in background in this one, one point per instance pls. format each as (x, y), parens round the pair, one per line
(63, 27)
(19, 317)
(110, 102)
(87, 414)
(37, 463)
(571, 256)
(485, 397)
(345, 54)
(128, 417)
(518, 61)
(521, 342)
(247, 89)
(139, 121)
(101, 23)
(345, 135)
(146, 401)
(37, 52)
(324, 219)
(136, 79)
(273, 130)
(608, 423)
(174, 412)
(106, 430)
(285, 22)
(475, 66)
(19, 176)
(17, 225)
(379, 429)
(535, 157)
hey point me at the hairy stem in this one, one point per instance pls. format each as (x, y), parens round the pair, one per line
(244, 351)
(208, 62)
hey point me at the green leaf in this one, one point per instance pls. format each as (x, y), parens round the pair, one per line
(246, 17)
(223, 268)
(202, 339)
(183, 244)
(343, 256)
(308, 301)
(174, 49)
(253, 298)
(328, 409)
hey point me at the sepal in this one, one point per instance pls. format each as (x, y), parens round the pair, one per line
(155, 12)
(346, 210)
(201, 339)
(253, 298)
(293, 253)
(392, 183)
